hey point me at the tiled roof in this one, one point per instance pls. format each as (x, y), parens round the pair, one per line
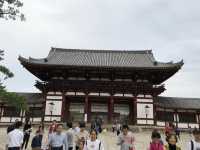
(178, 102)
(32, 98)
(101, 58)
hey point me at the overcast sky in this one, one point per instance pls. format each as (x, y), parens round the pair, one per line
(171, 28)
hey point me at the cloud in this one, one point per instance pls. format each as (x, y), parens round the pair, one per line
(170, 28)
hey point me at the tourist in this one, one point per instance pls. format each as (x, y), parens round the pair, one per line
(70, 136)
(118, 128)
(171, 142)
(156, 143)
(177, 132)
(15, 137)
(36, 143)
(12, 126)
(169, 128)
(93, 143)
(195, 143)
(82, 135)
(58, 140)
(190, 131)
(113, 127)
(77, 128)
(53, 127)
(27, 131)
(126, 139)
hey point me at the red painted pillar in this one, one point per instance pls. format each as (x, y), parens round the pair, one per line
(111, 109)
(86, 106)
(67, 107)
(154, 109)
(44, 94)
(134, 110)
(63, 110)
(89, 110)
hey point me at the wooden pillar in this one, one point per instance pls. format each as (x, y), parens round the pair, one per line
(89, 110)
(67, 109)
(176, 117)
(86, 106)
(154, 110)
(44, 105)
(111, 109)
(133, 111)
(63, 109)
(198, 115)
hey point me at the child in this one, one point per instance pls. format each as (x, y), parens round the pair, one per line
(126, 139)
(156, 143)
(171, 142)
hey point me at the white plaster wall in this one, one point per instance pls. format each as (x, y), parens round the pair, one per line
(149, 96)
(140, 95)
(52, 118)
(141, 110)
(144, 100)
(160, 123)
(37, 119)
(182, 125)
(57, 108)
(151, 122)
(14, 118)
(5, 119)
(104, 94)
(54, 97)
(193, 125)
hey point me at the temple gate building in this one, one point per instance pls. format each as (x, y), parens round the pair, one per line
(78, 84)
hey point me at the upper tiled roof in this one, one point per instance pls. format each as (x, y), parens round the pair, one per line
(100, 58)
(178, 102)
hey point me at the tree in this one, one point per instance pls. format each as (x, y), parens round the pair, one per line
(11, 98)
(9, 9)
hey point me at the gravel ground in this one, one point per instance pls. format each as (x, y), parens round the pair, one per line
(109, 140)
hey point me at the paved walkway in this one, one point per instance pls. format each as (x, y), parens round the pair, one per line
(109, 140)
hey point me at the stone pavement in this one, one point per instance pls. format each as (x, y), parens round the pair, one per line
(109, 139)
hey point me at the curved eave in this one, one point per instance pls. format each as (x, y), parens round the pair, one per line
(37, 62)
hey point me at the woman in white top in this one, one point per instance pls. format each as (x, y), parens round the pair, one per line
(93, 143)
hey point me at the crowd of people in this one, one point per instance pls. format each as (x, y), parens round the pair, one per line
(77, 137)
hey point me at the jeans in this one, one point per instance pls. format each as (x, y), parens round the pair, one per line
(57, 148)
(25, 140)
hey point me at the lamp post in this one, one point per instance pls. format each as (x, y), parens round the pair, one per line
(146, 112)
(51, 108)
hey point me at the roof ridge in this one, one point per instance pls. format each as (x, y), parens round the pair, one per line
(53, 49)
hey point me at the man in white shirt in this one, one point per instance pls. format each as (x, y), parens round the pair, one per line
(58, 140)
(195, 143)
(15, 137)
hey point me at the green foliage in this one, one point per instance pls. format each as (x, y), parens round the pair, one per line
(10, 98)
(19, 102)
(9, 9)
